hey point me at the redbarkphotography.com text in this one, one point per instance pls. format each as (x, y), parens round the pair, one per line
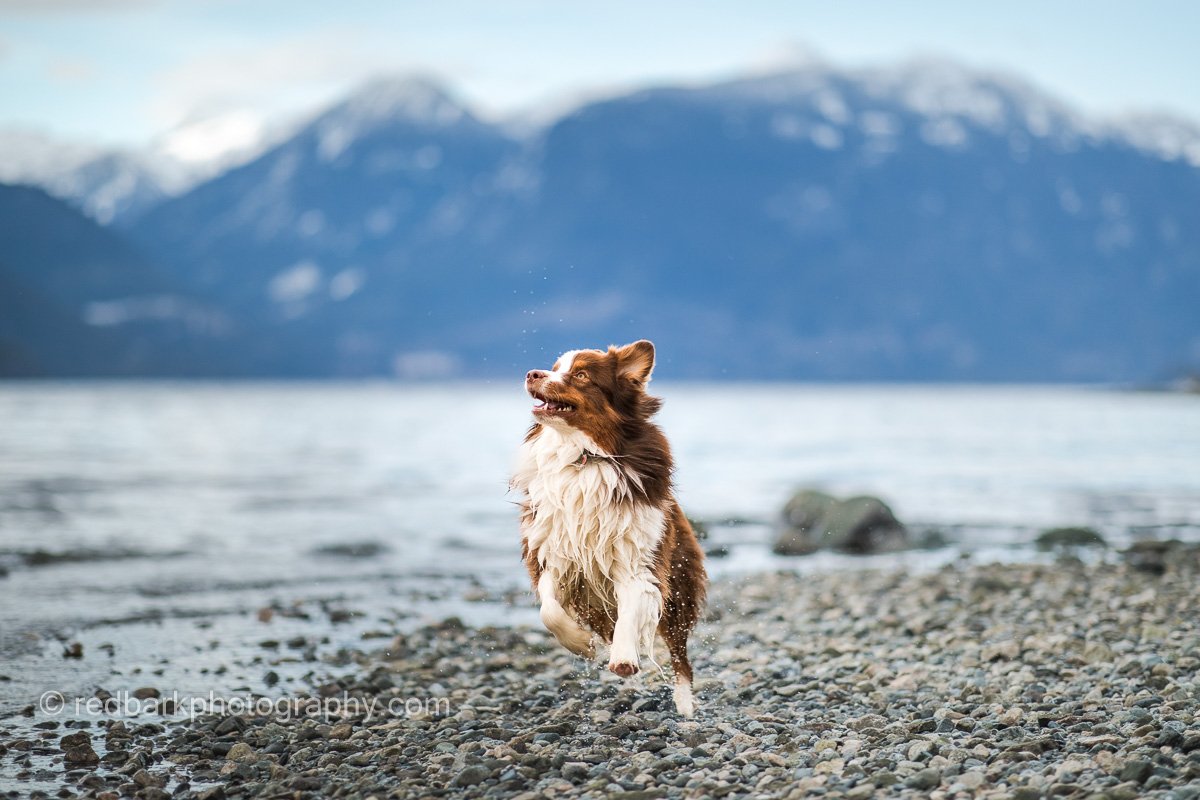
(344, 706)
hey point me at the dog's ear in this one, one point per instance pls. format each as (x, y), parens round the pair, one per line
(635, 362)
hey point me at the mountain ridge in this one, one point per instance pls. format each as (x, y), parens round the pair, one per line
(76, 172)
(929, 223)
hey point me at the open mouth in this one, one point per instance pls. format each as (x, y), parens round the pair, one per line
(546, 405)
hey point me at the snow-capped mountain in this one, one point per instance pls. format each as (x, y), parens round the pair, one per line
(922, 222)
(116, 185)
(105, 184)
(948, 97)
(374, 177)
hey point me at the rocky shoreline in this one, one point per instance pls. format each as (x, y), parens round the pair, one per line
(1019, 681)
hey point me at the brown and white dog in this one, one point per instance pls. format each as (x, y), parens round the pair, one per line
(609, 551)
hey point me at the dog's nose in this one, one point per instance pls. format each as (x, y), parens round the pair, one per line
(534, 374)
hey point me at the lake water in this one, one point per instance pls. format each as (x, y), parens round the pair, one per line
(170, 513)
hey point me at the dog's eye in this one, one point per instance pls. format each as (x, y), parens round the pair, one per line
(581, 375)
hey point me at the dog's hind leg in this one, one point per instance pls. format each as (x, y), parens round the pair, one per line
(570, 634)
(682, 610)
(685, 703)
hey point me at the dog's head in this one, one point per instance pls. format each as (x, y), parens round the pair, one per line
(599, 393)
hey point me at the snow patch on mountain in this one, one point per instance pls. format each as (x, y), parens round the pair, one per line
(31, 155)
(205, 147)
(295, 283)
(411, 99)
(155, 308)
(1169, 137)
(346, 283)
(385, 102)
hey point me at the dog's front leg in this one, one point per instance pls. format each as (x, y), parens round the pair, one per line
(639, 604)
(570, 634)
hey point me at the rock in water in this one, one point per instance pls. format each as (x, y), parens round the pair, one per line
(80, 756)
(802, 515)
(241, 752)
(813, 520)
(1065, 538)
(73, 740)
(863, 525)
(1155, 556)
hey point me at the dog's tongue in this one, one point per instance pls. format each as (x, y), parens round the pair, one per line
(540, 404)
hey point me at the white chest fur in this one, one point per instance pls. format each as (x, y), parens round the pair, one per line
(586, 527)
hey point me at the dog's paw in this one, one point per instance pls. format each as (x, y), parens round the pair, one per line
(685, 703)
(569, 633)
(580, 646)
(623, 668)
(579, 642)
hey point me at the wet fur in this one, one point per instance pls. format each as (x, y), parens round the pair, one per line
(609, 531)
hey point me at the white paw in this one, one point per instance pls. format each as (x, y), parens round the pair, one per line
(569, 633)
(578, 642)
(685, 703)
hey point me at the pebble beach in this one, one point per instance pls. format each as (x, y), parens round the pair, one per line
(1057, 679)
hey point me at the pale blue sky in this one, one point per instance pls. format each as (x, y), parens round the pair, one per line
(121, 71)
